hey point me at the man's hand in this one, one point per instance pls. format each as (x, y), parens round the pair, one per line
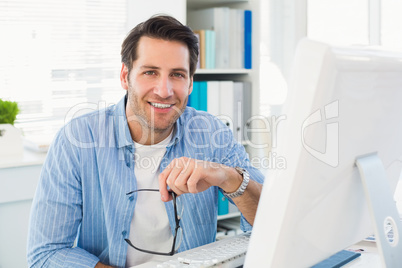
(186, 175)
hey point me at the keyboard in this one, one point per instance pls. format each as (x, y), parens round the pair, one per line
(228, 252)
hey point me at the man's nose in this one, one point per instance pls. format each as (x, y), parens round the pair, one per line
(164, 87)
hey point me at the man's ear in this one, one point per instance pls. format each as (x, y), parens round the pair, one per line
(124, 76)
(190, 89)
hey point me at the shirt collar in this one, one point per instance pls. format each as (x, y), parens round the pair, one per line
(123, 135)
(178, 130)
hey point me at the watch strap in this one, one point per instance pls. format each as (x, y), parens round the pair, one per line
(243, 185)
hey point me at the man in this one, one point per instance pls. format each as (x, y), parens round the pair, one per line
(98, 158)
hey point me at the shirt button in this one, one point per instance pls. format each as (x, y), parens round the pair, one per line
(131, 198)
(124, 233)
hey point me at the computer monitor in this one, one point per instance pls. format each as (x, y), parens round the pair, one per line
(344, 103)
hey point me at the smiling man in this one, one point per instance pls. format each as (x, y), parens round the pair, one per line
(140, 179)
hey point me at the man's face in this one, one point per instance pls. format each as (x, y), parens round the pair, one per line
(158, 84)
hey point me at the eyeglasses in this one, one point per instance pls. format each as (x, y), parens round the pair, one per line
(178, 233)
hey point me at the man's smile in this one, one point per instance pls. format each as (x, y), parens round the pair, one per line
(161, 105)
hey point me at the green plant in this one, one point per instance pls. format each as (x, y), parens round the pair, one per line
(8, 112)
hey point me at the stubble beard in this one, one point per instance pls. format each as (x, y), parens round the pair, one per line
(148, 123)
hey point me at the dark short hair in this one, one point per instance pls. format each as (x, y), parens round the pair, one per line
(160, 27)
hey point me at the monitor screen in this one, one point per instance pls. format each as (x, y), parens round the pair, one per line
(343, 103)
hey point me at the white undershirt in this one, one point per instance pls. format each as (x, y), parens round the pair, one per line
(150, 224)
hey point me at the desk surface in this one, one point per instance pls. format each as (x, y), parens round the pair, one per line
(27, 158)
(369, 257)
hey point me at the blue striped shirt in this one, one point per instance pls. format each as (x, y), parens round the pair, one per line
(90, 168)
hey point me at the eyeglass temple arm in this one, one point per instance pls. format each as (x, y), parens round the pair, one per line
(151, 190)
(141, 190)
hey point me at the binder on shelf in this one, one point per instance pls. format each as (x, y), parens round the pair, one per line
(248, 39)
(203, 96)
(194, 96)
(236, 43)
(213, 97)
(189, 101)
(223, 204)
(226, 113)
(247, 109)
(238, 109)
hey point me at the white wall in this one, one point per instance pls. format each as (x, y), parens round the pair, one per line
(139, 10)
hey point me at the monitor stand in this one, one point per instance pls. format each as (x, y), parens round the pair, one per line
(382, 209)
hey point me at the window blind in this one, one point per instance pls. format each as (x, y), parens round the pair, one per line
(59, 57)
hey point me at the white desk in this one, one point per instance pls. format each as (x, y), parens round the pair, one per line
(369, 257)
(18, 180)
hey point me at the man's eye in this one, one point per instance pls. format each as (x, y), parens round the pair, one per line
(149, 72)
(178, 75)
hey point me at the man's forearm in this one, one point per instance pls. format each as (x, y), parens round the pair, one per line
(247, 203)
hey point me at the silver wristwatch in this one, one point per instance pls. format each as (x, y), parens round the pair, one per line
(243, 185)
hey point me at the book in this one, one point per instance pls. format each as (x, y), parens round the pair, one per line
(202, 48)
(197, 34)
(217, 20)
(210, 49)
